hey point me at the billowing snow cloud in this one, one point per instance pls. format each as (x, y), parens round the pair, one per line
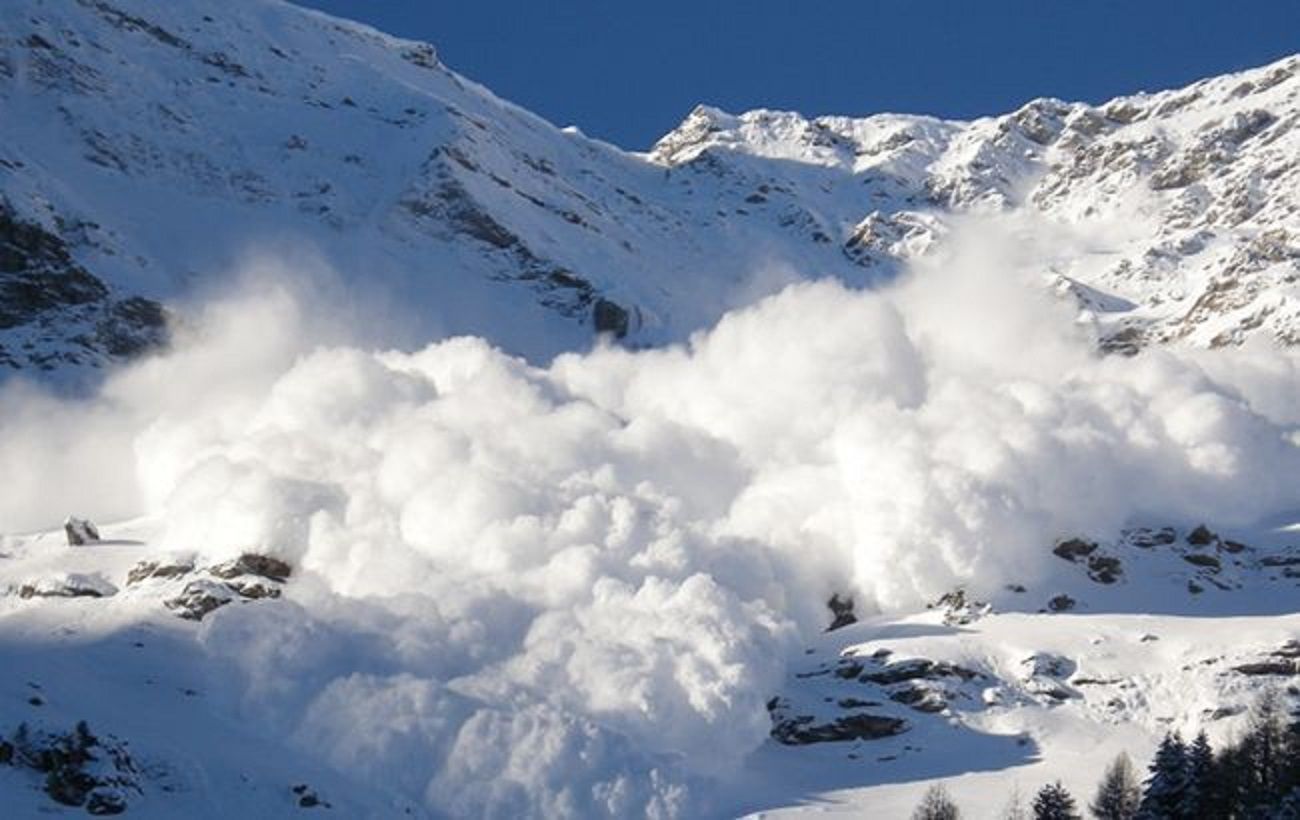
(561, 589)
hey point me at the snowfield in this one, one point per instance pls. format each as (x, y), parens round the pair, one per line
(448, 464)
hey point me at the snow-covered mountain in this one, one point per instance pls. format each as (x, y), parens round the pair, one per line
(860, 502)
(149, 149)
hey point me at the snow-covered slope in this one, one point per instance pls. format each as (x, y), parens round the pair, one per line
(156, 148)
(444, 580)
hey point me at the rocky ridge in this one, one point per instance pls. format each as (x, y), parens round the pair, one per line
(157, 147)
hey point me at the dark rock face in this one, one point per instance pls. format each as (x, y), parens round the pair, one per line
(841, 612)
(1061, 603)
(1284, 660)
(132, 327)
(43, 287)
(609, 317)
(1202, 560)
(917, 669)
(958, 609)
(308, 798)
(1201, 536)
(1147, 538)
(802, 730)
(37, 273)
(1104, 569)
(1073, 549)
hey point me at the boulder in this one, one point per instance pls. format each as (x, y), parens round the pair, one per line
(958, 610)
(200, 598)
(1061, 603)
(251, 563)
(69, 585)
(1072, 549)
(80, 531)
(1201, 536)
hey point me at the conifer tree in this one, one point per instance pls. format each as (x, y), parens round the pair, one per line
(1200, 773)
(1118, 794)
(1053, 802)
(1166, 786)
(936, 805)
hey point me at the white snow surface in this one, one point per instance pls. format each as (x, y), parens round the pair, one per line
(534, 575)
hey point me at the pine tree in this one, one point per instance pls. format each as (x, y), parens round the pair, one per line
(1166, 787)
(936, 805)
(1118, 794)
(1053, 802)
(1265, 743)
(1200, 772)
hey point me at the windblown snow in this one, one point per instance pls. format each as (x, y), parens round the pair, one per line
(571, 589)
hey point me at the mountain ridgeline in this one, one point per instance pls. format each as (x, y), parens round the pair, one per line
(152, 149)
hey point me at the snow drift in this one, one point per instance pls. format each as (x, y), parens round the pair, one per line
(570, 589)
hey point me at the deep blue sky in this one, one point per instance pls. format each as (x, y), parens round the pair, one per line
(629, 71)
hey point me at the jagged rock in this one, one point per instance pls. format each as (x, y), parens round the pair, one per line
(79, 768)
(1285, 660)
(307, 798)
(1044, 675)
(1073, 549)
(917, 669)
(200, 598)
(1202, 560)
(1147, 538)
(251, 577)
(153, 569)
(1061, 603)
(1104, 569)
(71, 585)
(841, 612)
(1201, 536)
(80, 531)
(1046, 664)
(610, 317)
(255, 590)
(263, 566)
(801, 730)
(1290, 649)
(920, 697)
(1280, 666)
(958, 610)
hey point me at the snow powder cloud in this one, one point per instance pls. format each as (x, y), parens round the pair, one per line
(570, 589)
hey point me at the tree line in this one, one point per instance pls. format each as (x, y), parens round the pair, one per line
(1255, 777)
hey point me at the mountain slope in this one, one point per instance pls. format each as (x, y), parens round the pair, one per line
(855, 507)
(163, 146)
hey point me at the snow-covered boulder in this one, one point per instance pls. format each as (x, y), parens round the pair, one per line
(80, 531)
